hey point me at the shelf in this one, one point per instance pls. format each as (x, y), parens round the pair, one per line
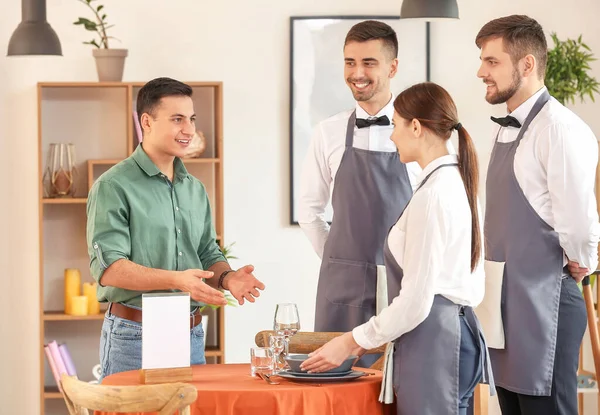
(51, 392)
(212, 351)
(115, 84)
(105, 161)
(61, 316)
(200, 160)
(192, 84)
(105, 108)
(197, 160)
(64, 201)
(82, 84)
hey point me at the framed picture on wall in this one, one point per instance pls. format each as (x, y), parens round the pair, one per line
(317, 86)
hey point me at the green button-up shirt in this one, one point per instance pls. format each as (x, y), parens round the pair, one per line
(135, 212)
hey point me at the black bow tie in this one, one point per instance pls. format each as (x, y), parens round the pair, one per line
(362, 123)
(508, 121)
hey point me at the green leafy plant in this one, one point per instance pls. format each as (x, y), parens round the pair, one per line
(227, 251)
(230, 300)
(99, 25)
(567, 71)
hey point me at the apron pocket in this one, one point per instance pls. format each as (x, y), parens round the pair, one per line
(351, 283)
(489, 312)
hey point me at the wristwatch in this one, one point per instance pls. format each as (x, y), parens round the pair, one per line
(222, 277)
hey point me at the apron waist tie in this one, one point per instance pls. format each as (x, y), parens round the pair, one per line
(473, 322)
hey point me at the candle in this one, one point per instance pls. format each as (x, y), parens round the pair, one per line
(79, 305)
(72, 284)
(89, 290)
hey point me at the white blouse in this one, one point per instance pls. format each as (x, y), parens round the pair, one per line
(432, 243)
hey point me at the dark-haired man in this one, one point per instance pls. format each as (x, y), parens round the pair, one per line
(351, 155)
(541, 225)
(150, 229)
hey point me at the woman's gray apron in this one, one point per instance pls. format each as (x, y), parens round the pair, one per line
(427, 358)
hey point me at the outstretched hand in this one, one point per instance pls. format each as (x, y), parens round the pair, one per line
(243, 285)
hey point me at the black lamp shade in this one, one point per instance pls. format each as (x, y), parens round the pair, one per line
(34, 36)
(429, 9)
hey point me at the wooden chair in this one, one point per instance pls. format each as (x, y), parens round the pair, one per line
(165, 398)
(593, 327)
(307, 341)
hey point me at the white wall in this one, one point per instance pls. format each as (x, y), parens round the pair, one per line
(245, 45)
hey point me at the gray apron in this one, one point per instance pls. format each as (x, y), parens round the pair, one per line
(371, 189)
(530, 248)
(427, 358)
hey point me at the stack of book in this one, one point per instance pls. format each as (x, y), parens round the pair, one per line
(59, 360)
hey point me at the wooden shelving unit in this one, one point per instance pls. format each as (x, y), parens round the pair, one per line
(52, 392)
(65, 201)
(61, 316)
(97, 117)
(200, 160)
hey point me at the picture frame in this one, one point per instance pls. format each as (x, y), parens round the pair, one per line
(317, 86)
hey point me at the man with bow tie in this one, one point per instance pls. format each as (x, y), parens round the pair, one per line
(352, 157)
(541, 225)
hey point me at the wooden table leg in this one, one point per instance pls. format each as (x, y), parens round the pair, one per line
(580, 395)
(480, 399)
(593, 328)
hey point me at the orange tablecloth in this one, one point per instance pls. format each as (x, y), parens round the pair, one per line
(230, 390)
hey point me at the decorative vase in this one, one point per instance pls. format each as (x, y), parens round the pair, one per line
(197, 146)
(110, 64)
(59, 177)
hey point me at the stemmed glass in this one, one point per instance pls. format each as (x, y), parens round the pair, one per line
(277, 343)
(286, 322)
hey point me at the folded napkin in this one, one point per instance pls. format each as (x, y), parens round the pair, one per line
(381, 299)
(386, 395)
(489, 311)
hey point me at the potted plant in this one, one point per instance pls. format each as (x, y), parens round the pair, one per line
(567, 71)
(109, 62)
(567, 76)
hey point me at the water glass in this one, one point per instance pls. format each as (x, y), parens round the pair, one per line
(277, 343)
(261, 360)
(286, 322)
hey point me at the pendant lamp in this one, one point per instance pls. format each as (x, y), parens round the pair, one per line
(34, 36)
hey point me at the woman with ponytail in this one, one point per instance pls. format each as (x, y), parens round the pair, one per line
(434, 264)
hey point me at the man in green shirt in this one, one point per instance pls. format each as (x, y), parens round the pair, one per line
(150, 229)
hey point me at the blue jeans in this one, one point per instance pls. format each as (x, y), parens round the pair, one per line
(121, 345)
(470, 369)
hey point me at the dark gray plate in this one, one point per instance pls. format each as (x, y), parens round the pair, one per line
(320, 375)
(355, 374)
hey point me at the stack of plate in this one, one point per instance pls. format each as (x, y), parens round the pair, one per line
(339, 374)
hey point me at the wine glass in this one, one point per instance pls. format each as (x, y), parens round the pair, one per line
(286, 322)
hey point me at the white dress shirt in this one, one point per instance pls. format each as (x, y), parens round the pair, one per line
(432, 243)
(323, 161)
(555, 166)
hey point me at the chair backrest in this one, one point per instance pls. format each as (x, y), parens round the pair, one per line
(308, 341)
(165, 398)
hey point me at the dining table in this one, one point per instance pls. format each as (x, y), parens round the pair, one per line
(229, 389)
